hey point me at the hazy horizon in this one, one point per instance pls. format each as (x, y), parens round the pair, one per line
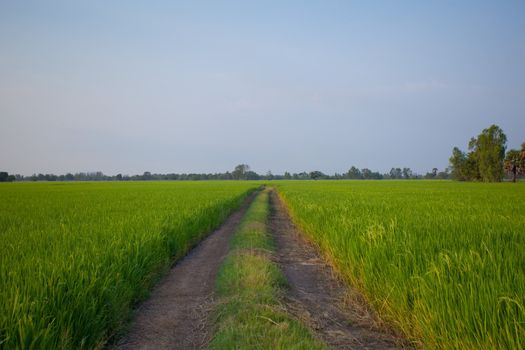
(199, 87)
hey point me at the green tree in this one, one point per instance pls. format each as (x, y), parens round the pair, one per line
(488, 151)
(396, 173)
(252, 175)
(471, 169)
(485, 160)
(354, 173)
(316, 175)
(367, 173)
(5, 177)
(407, 173)
(239, 173)
(515, 162)
(458, 162)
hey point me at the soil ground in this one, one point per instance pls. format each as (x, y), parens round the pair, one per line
(335, 313)
(176, 316)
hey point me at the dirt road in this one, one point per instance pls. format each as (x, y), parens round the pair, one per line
(177, 314)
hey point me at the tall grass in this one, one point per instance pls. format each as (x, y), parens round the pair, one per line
(75, 257)
(444, 262)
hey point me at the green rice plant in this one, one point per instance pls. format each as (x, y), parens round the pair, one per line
(443, 262)
(76, 257)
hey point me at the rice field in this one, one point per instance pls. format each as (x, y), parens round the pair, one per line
(443, 262)
(76, 257)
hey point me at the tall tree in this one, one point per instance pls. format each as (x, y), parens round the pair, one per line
(396, 173)
(488, 150)
(367, 173)
(316, 175)
(4, 176)
(485, 160)
(354, 173)
(252, 175)
(239, 173)
(515, 162)
(407, 173)
(463, 167)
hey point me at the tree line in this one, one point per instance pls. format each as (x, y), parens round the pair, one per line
(240, 172)
(486, 159)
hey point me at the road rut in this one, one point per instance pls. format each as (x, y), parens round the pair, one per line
(318, 298)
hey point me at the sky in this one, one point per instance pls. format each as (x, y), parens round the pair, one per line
(201, 86)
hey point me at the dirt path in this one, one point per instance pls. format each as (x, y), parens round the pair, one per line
(176, 314)
(316, 297)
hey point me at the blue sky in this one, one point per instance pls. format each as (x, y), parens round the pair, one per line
(200, 86)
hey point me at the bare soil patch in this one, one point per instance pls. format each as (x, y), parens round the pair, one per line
(336, 313)
(176, 316)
